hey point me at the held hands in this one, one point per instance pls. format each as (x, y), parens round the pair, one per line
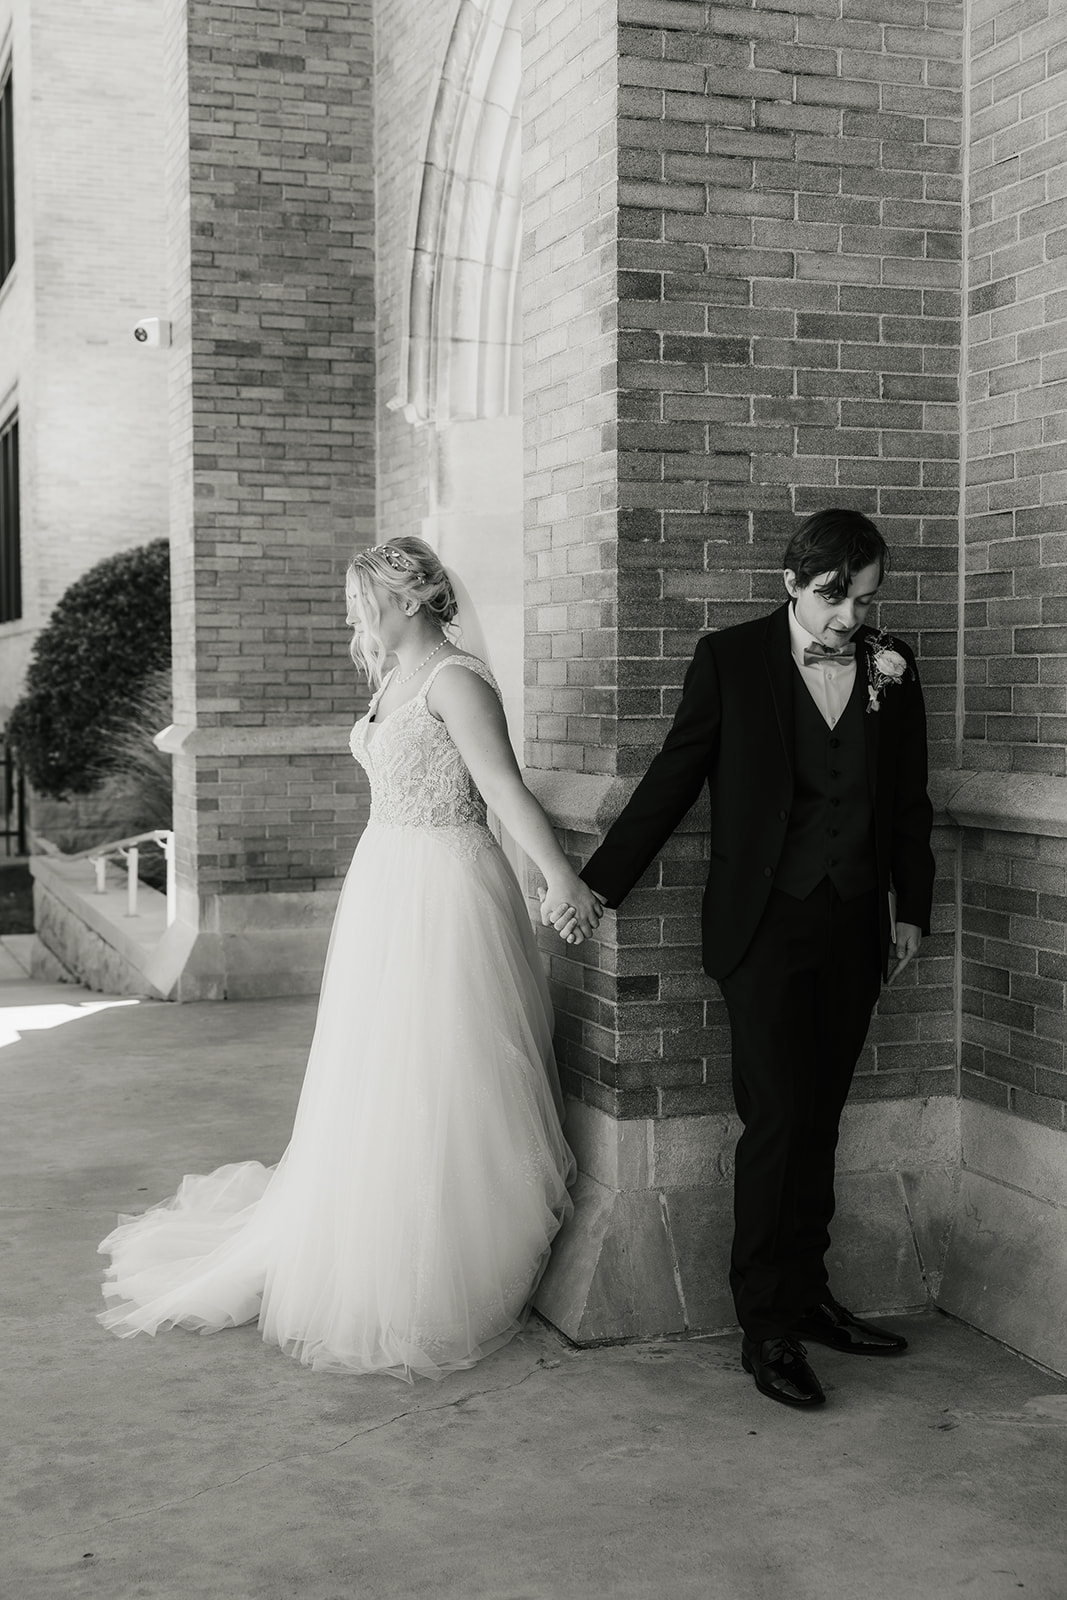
(908, 940)
(571, 907)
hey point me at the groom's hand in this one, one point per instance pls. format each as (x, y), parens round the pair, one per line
(909, 938)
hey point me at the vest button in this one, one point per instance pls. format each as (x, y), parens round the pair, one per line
(768, 872)
(831, 861)
(834, 743)
(832, 832)
(835, 801)
(782, 815)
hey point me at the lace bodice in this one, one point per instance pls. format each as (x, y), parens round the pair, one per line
(418, 779)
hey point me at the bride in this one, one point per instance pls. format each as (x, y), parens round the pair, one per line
(406, 1226)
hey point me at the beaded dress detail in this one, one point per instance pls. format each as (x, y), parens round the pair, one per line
(418, 777)
(408, 1223)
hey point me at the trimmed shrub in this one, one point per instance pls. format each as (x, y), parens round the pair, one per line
(104, 642)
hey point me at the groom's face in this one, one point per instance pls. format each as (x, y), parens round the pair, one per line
(829, 618)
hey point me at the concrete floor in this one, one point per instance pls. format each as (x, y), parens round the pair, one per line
(186, 1467)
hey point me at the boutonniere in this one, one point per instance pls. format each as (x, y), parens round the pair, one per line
(885, 667)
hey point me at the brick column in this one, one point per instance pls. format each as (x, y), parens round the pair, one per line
(1010, 797)
(1015, 726)
(742, 302)
(272, 409)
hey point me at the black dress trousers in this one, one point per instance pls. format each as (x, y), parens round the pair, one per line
(800, 1005)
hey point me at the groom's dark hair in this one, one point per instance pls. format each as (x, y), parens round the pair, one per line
(837, 541)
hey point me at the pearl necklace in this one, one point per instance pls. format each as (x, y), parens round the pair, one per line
(415, 672)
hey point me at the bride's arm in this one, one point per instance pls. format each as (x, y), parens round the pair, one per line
(475, 720)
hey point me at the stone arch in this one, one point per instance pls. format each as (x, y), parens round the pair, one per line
(463, 348)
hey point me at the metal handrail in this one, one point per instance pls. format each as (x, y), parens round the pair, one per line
(12, 801)
(127, 850)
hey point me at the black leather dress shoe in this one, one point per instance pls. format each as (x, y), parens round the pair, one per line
(829, 1323)
(781, 1371)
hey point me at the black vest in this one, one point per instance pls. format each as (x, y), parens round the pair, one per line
(831, 824)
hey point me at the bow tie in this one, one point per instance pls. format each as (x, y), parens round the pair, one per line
(822, 652)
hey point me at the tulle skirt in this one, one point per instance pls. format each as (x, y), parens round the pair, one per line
(406, 1226)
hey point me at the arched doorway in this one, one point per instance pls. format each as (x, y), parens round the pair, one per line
(462, 366)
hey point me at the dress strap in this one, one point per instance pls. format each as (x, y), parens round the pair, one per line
(473, 664)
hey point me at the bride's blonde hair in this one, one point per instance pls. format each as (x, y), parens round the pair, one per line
(409, 569)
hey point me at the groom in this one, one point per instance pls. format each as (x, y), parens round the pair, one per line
(810, 732)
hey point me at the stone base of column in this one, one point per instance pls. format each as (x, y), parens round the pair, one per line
(647, 1251)
(1006, 1267)
(238, 941)
(252, 947)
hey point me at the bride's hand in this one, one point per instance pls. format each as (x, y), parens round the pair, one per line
(560, 917)
(571, 907)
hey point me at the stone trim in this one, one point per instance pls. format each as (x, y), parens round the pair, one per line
(584, 803)
(267, 741)
(1008, 802)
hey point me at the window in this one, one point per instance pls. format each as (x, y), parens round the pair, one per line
(7, 178)
(10, 553)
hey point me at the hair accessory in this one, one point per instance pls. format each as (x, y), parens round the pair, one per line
(396, 558)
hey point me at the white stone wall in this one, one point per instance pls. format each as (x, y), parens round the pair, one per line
(90, 221)
(17, 327)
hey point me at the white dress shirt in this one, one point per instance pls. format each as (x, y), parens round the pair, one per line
(828, 682)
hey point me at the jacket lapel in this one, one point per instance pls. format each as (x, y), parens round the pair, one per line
(778, 654)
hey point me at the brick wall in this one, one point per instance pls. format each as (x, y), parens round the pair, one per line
(294, 809)
(90, 223)
(272, 187)
(1014, 891)
(1016, 533)
(1015, 974)
(570, 99)
(282, 349)
(789, 242)
(570, 376)
(789, 317)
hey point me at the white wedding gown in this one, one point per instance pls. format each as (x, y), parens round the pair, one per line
(406, 1226)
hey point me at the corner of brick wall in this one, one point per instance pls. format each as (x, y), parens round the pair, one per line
(1016, 524)
(1014, 895)
(788, 311)
(272, 188)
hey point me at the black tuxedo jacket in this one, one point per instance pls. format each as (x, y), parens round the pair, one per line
(734, 731)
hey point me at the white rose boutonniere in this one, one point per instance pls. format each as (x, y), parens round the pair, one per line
(885, 667)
